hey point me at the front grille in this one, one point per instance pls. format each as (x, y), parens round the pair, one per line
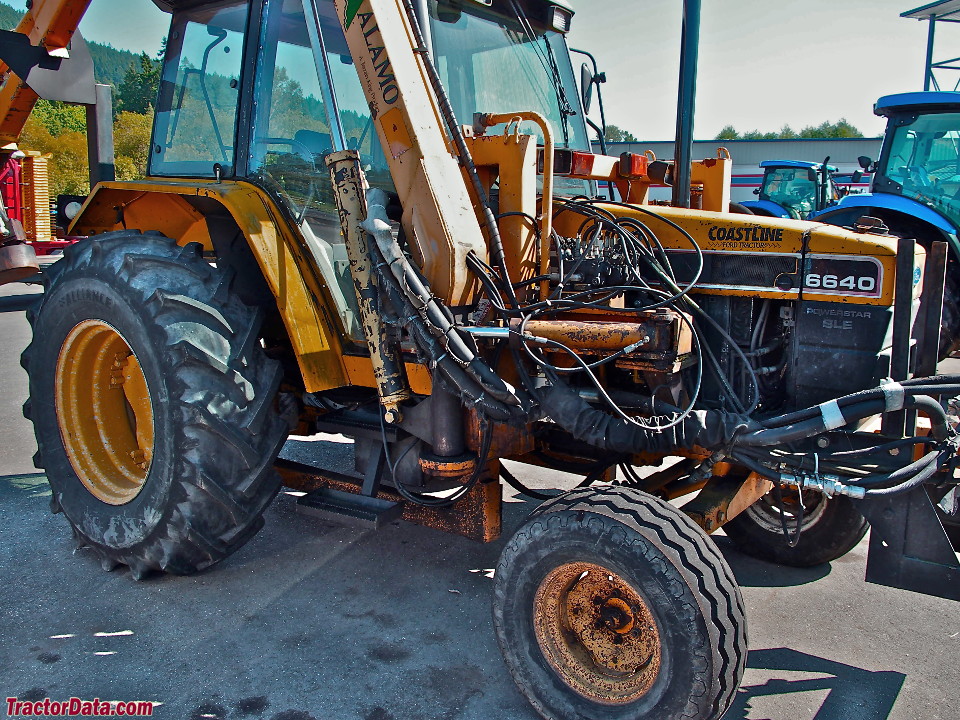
(734, 269)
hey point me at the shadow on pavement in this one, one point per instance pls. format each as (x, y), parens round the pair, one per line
(751, 572)
(28, 484)
(872, 693)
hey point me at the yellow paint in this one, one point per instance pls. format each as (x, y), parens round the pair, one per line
(712, 231)
(512, 159)
(285, 260)
(715, 174)
(104, 412)
(396, 132)
(360, 373)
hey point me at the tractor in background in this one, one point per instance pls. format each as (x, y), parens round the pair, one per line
(795, 189)
(915, 190)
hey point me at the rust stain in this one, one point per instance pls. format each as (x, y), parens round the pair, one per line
(597, 632)
(476, 516)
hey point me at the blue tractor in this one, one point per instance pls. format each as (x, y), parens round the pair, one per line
(916, 186)
(794, 189)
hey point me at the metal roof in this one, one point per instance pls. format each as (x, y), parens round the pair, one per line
(940, 10)
(795, 164)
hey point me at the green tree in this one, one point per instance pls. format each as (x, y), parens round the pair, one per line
(138, 91)
(728, 132)
(131, 143)
(615, 134)
(839, 129)
(59, 118)
(68, 162)
(69, 171)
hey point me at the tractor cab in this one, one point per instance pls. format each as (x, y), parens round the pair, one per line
(794, 189)
(920, 158)
(264, 92)
(916, 185)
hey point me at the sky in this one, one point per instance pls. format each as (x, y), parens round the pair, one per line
(763, 63)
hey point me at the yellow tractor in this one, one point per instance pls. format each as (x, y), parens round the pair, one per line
(381, 218)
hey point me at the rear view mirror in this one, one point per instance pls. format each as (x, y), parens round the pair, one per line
(864, 162)
(811, 175)
(857, 176)
(586, 87)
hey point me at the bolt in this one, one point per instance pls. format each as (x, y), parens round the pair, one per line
(823, 442)
(894, 451)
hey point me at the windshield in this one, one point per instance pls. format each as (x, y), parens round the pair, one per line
(924, 159)
(489, 64)
(791, 188)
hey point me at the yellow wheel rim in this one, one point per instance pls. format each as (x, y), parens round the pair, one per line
(597, 633)
(104, 412)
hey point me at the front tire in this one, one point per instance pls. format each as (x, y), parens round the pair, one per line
(152, 403)
(610, 604)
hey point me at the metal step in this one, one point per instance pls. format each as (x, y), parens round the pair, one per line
(360, 510)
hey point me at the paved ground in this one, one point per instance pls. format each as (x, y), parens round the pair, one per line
(315, 620)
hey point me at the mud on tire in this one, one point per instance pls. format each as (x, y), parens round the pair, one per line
(207, 473)
(661, 582)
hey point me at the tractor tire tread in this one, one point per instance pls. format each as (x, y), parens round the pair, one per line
(228, 433)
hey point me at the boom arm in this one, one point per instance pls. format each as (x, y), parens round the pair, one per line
(439, 216)
(50, 24)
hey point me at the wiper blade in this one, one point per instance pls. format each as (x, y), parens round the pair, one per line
(549, 61)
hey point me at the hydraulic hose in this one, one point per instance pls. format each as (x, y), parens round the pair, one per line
(916, 481)
(453, 127)
(783, 434)
(707, 429)
(403, 277)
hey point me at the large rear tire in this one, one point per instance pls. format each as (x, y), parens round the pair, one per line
(152, 403)
(830, 528)
(610, 604)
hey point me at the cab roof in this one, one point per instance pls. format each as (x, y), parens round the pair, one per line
(797, 164)
(918, 102)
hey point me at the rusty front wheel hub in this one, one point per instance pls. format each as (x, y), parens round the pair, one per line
(597, 633)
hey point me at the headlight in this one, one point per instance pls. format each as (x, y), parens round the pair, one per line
(560, 19)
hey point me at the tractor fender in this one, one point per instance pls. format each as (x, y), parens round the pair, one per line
(766, 207)
(199, 211)
(862, 203)
(895, 211)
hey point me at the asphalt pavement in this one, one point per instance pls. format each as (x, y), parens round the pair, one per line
(313, 620)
